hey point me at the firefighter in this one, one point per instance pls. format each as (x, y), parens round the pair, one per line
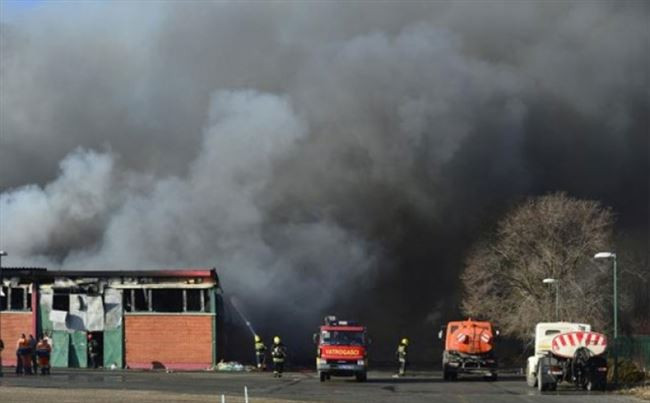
(279, 353)
(93, 351)
(43, 351)
(260, 353)
(402, 356)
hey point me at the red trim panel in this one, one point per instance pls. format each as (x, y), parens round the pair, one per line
(343, 328)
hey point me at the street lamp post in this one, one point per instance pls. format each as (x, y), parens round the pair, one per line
(557, 295)
(2, 253)
(611, 255)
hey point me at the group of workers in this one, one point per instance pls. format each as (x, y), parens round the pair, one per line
(32, 355)
(279, 353)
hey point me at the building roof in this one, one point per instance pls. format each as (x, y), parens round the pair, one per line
(43, 273)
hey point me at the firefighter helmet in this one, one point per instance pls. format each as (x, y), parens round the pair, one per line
(276, 340)
(257, 339)
(405, 341)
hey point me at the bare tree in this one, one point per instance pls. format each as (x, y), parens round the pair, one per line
(553, 236)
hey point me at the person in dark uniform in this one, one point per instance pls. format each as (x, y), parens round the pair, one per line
(279, 354)
(32, 351)
(93, 351)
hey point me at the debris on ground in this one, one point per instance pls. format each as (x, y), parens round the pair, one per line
(230, 366)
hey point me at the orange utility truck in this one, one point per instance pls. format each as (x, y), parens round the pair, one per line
(469, 349)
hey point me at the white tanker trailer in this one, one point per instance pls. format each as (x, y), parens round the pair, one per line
(567, 352)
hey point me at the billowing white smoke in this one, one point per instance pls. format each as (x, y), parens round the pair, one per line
(210, 217)
(36, 221)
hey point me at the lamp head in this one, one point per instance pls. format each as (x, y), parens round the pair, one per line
(604, 255)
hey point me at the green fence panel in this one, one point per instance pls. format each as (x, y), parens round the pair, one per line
(78, 350)
(635, 348)
(60, 344)
(113, 348)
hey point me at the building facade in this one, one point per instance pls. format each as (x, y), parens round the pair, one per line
(141, 319)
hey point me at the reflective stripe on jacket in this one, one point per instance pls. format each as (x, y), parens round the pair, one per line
(278, 353)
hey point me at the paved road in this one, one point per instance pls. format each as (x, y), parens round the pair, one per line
(300, 386)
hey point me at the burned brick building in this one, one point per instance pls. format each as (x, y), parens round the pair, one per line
(141, 319)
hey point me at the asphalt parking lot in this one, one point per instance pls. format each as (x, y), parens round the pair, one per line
(154, 386)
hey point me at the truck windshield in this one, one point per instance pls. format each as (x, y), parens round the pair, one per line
(342, 338)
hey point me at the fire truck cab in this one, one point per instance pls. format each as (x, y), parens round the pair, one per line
(341, 349)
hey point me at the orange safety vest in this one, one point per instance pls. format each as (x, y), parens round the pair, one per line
(43, 346)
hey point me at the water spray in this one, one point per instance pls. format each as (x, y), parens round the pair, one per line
(235, 304)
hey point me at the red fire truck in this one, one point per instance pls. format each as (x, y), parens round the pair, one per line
(342, 349)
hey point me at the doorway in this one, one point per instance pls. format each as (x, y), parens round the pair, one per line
(95, 349)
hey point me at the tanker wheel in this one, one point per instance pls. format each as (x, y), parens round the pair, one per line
(531, 379)
(322, 375)
(446, 374)
(541, 386)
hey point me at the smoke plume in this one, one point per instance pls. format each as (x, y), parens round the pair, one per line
(325, 157)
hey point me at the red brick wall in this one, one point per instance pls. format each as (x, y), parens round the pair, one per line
(12, 325)
(175, 341)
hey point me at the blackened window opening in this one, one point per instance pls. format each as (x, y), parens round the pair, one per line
(140, 302)
(61, 302)
(17, 301)
(194, 300)
(167, 300)
(3, 299)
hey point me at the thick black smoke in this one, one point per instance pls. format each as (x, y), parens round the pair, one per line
(326, 157)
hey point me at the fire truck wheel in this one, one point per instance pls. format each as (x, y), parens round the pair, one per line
(492, 377)
(361, 377)
(322, 376)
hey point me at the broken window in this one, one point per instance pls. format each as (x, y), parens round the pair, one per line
(140, 300)
(167, 300)
(3, 298)
(17, 299)
(194, 300)
(61, 302)
(136, 300)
